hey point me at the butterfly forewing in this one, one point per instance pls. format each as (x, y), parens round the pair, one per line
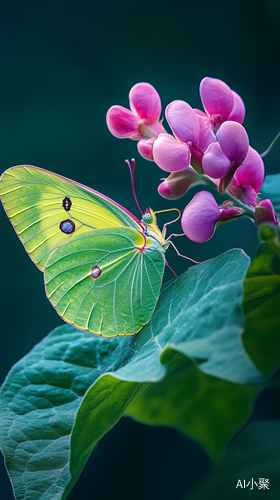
(106, 281)
(39, 202)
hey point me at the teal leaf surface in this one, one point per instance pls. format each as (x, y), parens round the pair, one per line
(271, 189)
(205, 408)
(253, 455)
(63, 396)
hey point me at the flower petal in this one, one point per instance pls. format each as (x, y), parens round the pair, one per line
(170, 155)
(183, 121)
(251, 172)
(234, 141)
(145, 148)
(123, 123)
(145, 101)
(214, 162)
(206, 135)
(238, 111)
(216, 96)
(200, 217)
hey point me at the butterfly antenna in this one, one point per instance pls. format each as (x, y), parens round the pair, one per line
(172, 221)
(132, 170)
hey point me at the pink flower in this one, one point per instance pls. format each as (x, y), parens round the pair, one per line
(251, 172)
(143, 119)
(171, 155)
(200, 217)
(229, 153)
(122, 123)
(183, 121)
(248, 178)
(174, 155)
(145, 102)
(220, 102)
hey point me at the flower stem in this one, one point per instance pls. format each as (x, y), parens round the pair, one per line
(249, 211)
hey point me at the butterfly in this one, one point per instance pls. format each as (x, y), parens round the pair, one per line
(103, 268)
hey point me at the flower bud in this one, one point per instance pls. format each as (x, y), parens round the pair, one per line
(178, 183)
(230, 213)
(200, 217)
(265, 213)
(171, 155)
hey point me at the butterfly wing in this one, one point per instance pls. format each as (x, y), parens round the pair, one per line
(106, 281)
(47, 209)
(102, 274)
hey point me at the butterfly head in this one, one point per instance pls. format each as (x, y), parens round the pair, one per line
(150, 222)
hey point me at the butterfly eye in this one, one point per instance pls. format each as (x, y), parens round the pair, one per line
(95, 272)
(148, 218)
(67, 226)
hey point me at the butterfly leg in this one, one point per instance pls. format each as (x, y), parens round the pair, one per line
(177, 251)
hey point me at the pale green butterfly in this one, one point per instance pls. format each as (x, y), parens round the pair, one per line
(103, 268)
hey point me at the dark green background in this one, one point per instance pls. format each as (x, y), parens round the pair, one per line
(63, 64)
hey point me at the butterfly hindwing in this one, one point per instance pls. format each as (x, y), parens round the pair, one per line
(104, 282)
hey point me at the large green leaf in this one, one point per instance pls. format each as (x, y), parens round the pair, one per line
(60, 399)
(206, 408)
(263, 278)
(261, 337)
(255, 454)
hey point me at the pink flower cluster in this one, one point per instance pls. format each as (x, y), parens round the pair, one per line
(209, 146)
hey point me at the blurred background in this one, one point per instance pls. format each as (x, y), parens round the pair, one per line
(63, 64)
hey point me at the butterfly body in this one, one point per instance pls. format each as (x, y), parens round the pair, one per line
(103, 268)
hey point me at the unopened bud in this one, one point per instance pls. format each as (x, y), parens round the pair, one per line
(265, 213)
(178, 183)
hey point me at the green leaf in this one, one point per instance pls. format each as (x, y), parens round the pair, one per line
(207, 409)
(61, 398)
(271, 189)
(261, 337)
(263, 278)
(254, 454)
